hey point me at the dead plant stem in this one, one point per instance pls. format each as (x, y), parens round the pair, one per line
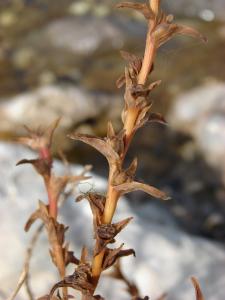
(112, 195)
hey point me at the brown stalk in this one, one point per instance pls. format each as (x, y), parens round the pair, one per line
(112, 195)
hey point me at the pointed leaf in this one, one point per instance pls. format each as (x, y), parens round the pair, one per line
(136, 186)
(189, 31)
(111, 256)
(42, 166)
(97, 143)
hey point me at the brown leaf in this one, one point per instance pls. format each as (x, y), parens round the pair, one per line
(128, 96)
(56, 235)
(40, 138)
(135, 62)
(131, 170)
(198, 292)
(122, 176)
(165, 31)
(99, 144)
(120, 225)
(41, 213)
(70, 258)
(135, 186)
(144, 9)
(97, 204)
(189, 31)
(116, 141)
(105, 234)
(111, 256)
(42, 166)
(80, 280)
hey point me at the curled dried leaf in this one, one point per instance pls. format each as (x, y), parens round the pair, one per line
(97, 204)
(105, 234)
(80, 280)
(112, 255)
(136, 186)
(198, 292)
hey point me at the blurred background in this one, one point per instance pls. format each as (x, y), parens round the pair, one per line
(61, 58)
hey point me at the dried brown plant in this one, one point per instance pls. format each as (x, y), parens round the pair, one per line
(136, 113)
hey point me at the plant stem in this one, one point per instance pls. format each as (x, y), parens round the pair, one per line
(112, 195)
(154, 4)
(46, 155)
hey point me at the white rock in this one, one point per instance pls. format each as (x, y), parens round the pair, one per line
(201, 113)
(45, 104)
(166, 256)
(84, 36)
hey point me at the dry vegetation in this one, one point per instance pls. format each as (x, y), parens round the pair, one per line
(136, 113)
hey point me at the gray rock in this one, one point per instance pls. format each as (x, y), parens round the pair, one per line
(201, 113)
(84, 36)
(45, 104)
(166, 256)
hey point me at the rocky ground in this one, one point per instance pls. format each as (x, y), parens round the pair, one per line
(166, 256)
(61, 59)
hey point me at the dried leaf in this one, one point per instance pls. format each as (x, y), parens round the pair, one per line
(105, 234)
(122, 176)
(40, 138)
(56, 235)
(135, 62)
(116, 141)
(111, 256)
(42, 166)
(144, 9)
(99, 144)
(131, 170)
(97, 204)
(80, 280)
(41, 213)
(165, 31)
(198, 292)
(70, 258)
(189, 31)
(128, 96)
(135, 186)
